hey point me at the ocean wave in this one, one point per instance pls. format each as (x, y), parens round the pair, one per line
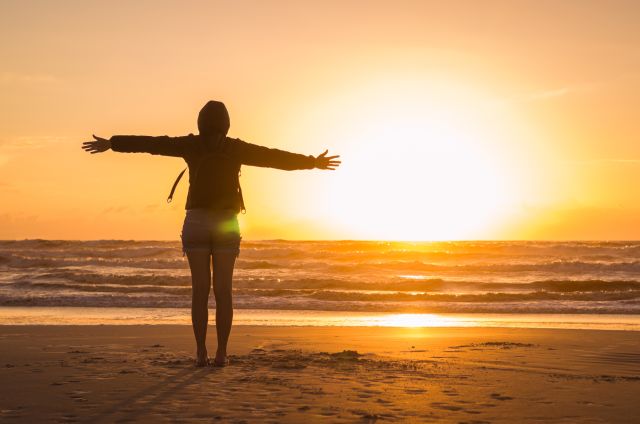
(24, 261)
(396, 284)
(73, 276)
(360, 251)
(252, 302)
(554, 266)
(616, 292)
(343, 275)
(124, 290)
(68, 244)
(332, 258)
(342, 296)
(145, 259)
(440, 285)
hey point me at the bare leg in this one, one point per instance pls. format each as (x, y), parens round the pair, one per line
(200, 264)
(223, 264)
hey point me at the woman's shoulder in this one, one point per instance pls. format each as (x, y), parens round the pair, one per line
(232, 145)
(232, 140)
(189, 144)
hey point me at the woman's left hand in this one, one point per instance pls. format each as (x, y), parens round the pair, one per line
(327, 162)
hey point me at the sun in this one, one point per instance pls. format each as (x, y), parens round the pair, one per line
(421, 162)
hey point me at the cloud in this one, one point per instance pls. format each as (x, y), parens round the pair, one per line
(607, 161)
(15, 146)
(549, 94)
(5, 186)
(117, 209)
(537, 96)
(7, 78)
(29, 142)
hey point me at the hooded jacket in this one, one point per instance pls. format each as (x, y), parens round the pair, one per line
(214, 164)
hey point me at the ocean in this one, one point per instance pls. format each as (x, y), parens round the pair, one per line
(590, 280)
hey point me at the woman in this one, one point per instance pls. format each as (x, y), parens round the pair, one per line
(210, 233)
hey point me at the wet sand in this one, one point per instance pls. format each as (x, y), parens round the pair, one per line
(319, 374)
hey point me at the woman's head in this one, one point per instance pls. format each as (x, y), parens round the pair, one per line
(213, 119)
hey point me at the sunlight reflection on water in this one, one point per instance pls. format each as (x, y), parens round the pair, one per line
(151, 316)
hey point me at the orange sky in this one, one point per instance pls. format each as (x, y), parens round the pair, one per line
(455, 120)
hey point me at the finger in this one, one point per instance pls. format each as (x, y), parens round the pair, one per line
(325, 152)
(332, 157)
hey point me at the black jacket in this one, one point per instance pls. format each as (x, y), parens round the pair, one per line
(214, 164)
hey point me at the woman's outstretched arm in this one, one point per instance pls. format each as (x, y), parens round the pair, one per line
(165, 146)
(254, 155)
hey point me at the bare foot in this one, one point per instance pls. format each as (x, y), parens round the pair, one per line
(221, 359)
(202, 360)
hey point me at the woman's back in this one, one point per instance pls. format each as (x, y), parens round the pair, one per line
(214, 164)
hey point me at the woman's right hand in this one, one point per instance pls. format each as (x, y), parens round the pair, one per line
(98, 145)
(327, 162)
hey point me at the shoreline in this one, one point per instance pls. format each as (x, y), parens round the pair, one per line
(73, 315)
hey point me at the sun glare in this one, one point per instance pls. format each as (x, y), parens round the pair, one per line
(421, 162)
(414, 320)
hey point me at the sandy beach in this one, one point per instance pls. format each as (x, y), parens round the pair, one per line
(135, 373)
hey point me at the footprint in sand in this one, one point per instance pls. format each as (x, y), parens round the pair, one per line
(68, 418)
(77, 395)
(329, 411)
(498, 396)
(12, 412)
(449, 407)
(488, 405)
(446, 406)
(370, 417)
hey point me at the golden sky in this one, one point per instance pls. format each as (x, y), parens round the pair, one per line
(455, 120)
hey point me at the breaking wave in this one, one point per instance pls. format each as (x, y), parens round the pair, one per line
(550, 277)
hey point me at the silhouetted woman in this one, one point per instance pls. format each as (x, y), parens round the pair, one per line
(210, 231)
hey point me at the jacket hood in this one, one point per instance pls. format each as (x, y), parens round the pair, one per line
(213, 119)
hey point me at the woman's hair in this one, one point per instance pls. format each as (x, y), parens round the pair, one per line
(213, 119)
